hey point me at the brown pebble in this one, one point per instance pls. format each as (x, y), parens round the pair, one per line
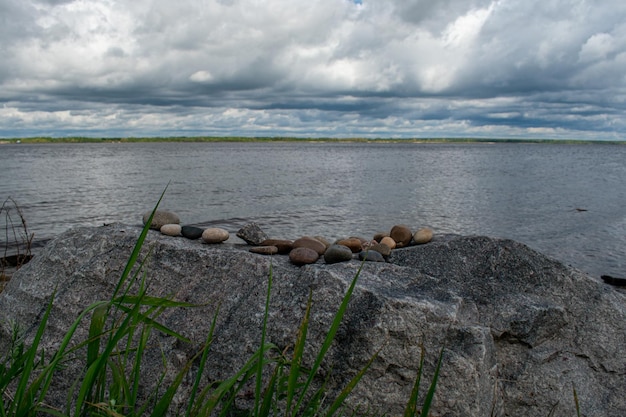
(311, 243)
(264, 250)
(423, 235)
(303, 256)
(389, 242)
(284, 246)
(353, 243)
(401, 234)
(379, 236)
(381, 248)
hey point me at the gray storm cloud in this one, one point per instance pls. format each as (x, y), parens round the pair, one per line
(414, 68)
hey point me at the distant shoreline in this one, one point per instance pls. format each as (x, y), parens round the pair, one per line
(245, 139)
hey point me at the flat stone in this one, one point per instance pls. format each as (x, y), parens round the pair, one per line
(192, 232)
(311, 243)
(161, 217)
(215, 235)
(171, 229)
(303, 256)
(371, 256)
(423, 235)
(284, 246)
(337, 253)
(401, 234)
(354, 243)
(252, 234)
(264, 250)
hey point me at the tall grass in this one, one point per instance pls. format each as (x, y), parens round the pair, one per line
(113, 353)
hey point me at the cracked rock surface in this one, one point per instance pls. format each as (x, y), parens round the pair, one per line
(519, 329)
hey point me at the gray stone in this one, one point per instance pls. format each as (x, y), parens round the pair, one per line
(161, 218)
(371, 256)
(519, 329)
(252, 234)
(192, 232)
(337, 253)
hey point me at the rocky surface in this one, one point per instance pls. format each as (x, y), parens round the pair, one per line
(519, 329)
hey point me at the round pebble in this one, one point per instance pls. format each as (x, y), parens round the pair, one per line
(311, 243)
(389, 242)
(354, 243)
(192, 232)
(337, 253)
(379, 236)
(423, 235)
(171, 229)
(160, 218)
(401, 234)
(215, 235)
(264, 250)
(371, 256)
(303, 256)
(284, 246)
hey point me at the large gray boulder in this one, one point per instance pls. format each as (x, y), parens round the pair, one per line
(520, 330)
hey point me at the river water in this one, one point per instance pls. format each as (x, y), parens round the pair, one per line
(567, 201)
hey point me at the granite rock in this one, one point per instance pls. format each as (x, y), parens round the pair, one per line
(252, 234)
(519, 329)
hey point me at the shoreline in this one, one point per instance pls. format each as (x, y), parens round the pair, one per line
(252, 139)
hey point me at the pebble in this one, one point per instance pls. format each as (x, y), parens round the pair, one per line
(192, 232)
(284, 246)
(323, 240)
(303, 256)
(161, 218)
(215, 235)
(379, 236)
(381, 248)
(354, 243)
(389, 242)
(171, 229)
(423, 235)
(337, 253)
(371, 256)
(252, 234)
(401, 234)
(264, 250)
(311, 243)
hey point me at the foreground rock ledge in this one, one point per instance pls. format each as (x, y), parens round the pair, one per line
(519, 329)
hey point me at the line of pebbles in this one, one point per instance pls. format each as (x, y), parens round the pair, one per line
(302, 251)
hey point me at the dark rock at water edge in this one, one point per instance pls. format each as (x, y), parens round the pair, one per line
(192, 232)
(337, 253)
(252, 234)
(519, 329)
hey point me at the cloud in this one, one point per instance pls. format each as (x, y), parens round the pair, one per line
(494, 68)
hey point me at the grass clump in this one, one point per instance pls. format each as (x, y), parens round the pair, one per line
(119, 331)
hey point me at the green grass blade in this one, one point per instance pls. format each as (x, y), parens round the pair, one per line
(576, 400)
(330, 336)
(259, 370)
(152, 323)
(205, 354)
(411, 407)
(433, 386)
(98, 319)
(298, 352)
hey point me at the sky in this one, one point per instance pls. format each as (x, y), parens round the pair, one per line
(314, 68)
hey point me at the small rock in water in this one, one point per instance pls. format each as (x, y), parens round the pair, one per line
(402, 235)
(389, 242)
(284, 246)
(264, 250)
(311, 243)
(354, 243)
(171, 229)
(381, 248)
(161, 218)
(337, 253)
(423, 235)
(303, 256)
(371, 256)
(192, 232)
(252, 234)
(215, 235)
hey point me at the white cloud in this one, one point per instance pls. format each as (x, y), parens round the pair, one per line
(333, 66)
